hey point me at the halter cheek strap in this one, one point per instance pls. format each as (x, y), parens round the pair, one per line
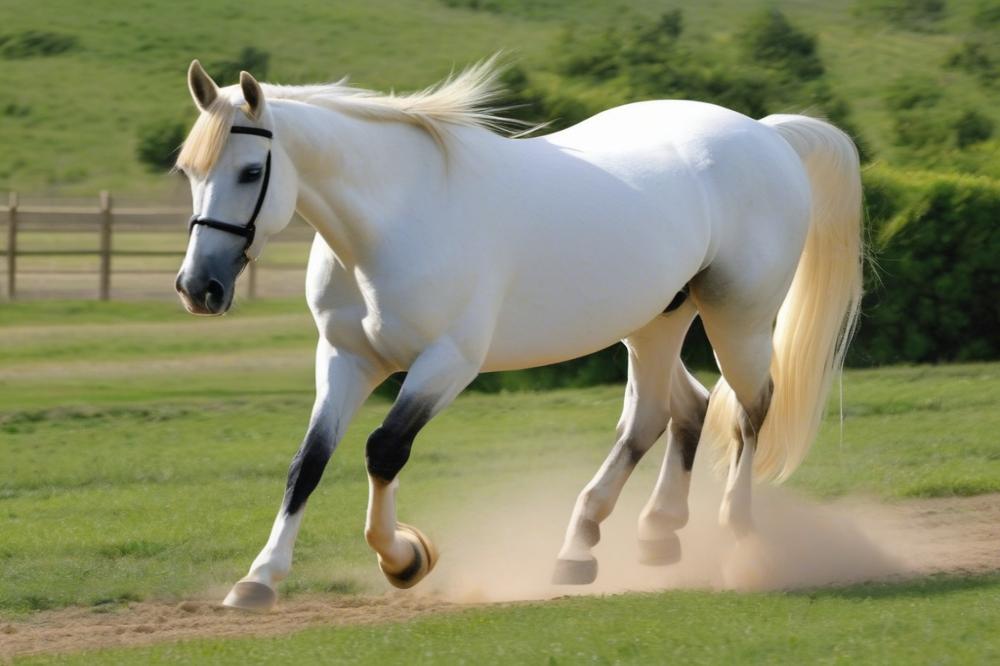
(250, 229)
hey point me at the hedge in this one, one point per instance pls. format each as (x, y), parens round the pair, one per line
(934, 293)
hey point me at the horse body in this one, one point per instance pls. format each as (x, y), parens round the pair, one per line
(546, 249)
(446, 250)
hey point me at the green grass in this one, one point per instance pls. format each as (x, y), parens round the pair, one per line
(146, 460)
(108, 419)
(72, 313)
(78, 114)
(937, 621)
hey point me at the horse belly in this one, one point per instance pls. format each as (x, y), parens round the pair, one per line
(586, 294)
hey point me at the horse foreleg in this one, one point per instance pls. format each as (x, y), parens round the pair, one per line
(343, 382)
(438, 375)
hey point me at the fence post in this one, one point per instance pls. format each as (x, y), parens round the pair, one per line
(12, 247)
(252, 285)
(105, 285)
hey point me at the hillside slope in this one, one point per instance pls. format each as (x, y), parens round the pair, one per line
(70, 121)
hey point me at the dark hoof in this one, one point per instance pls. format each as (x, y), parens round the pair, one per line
(249, 595)
(575, 572)
(425, 556)
(659, 552)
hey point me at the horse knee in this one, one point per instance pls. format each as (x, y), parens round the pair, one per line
(386, 453)
(388, 447)
(306, 468)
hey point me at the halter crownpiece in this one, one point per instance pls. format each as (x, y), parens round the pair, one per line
(250, 229)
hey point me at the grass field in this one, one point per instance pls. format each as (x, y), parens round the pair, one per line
(71, 121)
(144, 456)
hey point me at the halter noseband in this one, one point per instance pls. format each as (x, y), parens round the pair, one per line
(250, 229)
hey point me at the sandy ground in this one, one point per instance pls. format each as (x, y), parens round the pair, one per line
(487, 559)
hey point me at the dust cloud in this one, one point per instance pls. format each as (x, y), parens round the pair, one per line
(502, 547)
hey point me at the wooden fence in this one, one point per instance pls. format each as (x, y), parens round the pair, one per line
(62, 247)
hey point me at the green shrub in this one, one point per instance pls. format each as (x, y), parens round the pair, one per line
(159, 143)
(912, 92)
(779, 68)
(917, 120)
(35, 44)
(917, 15)
(475, 5)
(250, 59)
(972, 127)
(527, 101)
(770, 38)
(15, 110)
(975, 57)
(987, 13)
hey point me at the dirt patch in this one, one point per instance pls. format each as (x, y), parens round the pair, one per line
(500, 553)
(76, 629)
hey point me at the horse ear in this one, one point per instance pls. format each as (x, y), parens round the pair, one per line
(253, 95)
(202, 87)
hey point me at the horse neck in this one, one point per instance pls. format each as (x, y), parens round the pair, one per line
(355, 176)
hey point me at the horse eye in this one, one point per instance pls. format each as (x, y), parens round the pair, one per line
(250, 174)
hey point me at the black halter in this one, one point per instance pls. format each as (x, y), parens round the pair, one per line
(250, 229)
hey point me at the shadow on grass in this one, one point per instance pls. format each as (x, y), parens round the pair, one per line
(936, 585)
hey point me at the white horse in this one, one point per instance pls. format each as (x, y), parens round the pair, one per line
(445, 249)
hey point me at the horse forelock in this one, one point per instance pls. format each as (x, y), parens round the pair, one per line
(208, 137)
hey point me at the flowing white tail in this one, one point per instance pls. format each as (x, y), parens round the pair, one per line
(818, 316)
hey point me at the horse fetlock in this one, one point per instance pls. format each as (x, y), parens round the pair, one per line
(659, 521)
(588, 532)
(660, 551)
(270, 567)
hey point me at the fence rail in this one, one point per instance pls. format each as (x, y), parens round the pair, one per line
(115, 231)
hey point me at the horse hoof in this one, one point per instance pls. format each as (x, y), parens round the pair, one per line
(660, 552)
(425, 556)
(575, 572)
(249, 595)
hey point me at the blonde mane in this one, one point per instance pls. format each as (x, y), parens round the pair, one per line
(465, 100)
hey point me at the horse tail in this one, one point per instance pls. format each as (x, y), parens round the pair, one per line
(818, 316)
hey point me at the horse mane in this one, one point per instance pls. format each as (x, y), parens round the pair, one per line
(466, 100)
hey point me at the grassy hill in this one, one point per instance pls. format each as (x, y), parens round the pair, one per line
(70, 119)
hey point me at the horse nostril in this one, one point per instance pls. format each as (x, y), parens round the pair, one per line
(215, 295)
(177, 285)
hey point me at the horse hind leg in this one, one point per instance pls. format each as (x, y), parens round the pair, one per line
(667, 508)
(741, 338)
(735, 509)
(653, 352)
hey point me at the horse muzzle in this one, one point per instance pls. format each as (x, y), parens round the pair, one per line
(205, 294)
